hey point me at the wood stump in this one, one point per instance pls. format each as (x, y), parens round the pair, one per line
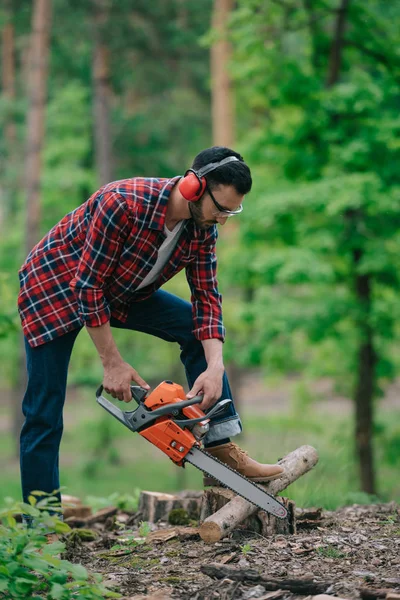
(156, 506)
(237, 509)
(259, 522)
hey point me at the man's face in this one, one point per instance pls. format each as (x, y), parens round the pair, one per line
(205, 213)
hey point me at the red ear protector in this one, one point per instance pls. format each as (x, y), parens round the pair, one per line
(193, 185)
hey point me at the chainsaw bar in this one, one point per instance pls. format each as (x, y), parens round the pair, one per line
(235, 482)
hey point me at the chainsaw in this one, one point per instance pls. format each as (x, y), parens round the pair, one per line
(177, 426)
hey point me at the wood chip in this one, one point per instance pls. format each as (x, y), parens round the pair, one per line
(227, 558)
(163, 535)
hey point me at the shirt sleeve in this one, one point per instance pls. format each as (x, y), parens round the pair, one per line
(201, 275)
(107, 232)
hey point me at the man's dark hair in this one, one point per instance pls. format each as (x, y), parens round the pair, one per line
(235, 173)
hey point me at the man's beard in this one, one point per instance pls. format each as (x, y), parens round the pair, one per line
(196, 212)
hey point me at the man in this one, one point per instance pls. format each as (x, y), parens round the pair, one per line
(102, 266)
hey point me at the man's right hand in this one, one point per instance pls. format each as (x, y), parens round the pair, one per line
(118, 378)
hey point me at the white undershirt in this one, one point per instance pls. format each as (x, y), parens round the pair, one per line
(164, 252)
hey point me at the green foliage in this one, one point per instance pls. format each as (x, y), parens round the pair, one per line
(324, 210)
(330, 552)
(178, 516)
(31, 568)
(126, 502)
(245, 549)
(144, 529)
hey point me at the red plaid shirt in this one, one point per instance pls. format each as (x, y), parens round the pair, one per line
(89, 265)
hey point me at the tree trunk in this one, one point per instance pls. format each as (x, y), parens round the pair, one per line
(313, 33)
(36, 114)
(37, 91)
(336, 53)
(365, 385)
(101, 107)
(223, 117)
(7, 200)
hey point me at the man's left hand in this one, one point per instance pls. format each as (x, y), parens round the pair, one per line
(209, 384)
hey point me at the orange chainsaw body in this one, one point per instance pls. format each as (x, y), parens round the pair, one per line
(172, 439)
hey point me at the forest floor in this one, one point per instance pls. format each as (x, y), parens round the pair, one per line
(353, 552)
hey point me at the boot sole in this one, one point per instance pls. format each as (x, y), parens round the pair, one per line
(210, 481)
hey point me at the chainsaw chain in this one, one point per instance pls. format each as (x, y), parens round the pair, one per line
(242, 477)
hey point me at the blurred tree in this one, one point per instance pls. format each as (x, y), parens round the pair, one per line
(36, 113)
(223, 113)
(37, 90)
(320, 244)
(8, 102)
(101, 99)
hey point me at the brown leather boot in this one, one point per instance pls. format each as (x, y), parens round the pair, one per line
(239, 460)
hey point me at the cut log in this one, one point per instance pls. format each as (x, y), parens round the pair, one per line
(73, 507)
(227, 518)
(156, 506)
(259, 522)
(297, 586)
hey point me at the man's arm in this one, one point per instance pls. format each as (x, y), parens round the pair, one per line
(107, 231)
(207, 318)
(209, 382)
(118, 375)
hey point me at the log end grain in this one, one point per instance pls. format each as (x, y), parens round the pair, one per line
(210, 532)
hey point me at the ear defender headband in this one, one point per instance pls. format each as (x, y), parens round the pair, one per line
(193, 185)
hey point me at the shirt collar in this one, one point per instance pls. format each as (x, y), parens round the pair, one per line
(157, 220)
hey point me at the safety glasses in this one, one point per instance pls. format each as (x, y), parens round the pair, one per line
(224, 211)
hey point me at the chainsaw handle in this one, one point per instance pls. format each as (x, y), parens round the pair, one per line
(138, 393)
(142, 416)
(216, 409)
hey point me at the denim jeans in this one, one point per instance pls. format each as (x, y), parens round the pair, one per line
(163, 315)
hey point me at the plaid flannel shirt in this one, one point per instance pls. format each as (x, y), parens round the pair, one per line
(89, 265)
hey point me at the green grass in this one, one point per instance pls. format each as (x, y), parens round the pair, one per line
(99, 456)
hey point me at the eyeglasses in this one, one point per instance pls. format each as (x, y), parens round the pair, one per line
(224, 211)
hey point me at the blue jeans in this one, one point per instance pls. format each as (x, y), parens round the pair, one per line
(163, 315)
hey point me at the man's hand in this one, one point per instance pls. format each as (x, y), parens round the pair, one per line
(118, 375)
(118, 378)
(209, 384)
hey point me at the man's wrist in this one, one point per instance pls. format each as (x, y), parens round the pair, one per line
(112, 360)
(216, 366)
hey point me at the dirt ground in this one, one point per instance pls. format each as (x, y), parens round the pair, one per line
(353, 552)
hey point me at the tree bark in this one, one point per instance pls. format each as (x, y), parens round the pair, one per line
(102, 93)
(221, 523)
(260, 522)
(365, 383)
(157, 506)
(223, 112)
(302, 587)
(336, 53)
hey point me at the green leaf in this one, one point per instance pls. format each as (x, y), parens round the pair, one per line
(57, 591)
(54, 548)
(61, 527)
(78, 572)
